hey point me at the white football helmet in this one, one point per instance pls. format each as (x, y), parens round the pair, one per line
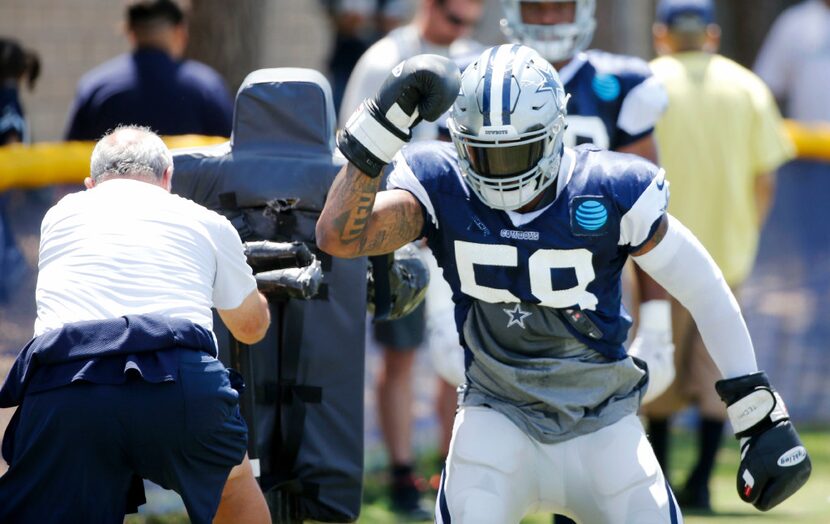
(507, 124)
(556, 42)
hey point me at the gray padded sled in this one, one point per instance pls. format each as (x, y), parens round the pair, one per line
(271, 181)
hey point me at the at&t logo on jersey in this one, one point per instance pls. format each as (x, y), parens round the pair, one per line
(607, 87)
(589, 216)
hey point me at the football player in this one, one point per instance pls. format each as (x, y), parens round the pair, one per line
(614, 103)
(531, 236)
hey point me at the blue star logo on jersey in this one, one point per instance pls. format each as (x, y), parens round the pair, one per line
(517, 316)
(589, 216)
(607, 87)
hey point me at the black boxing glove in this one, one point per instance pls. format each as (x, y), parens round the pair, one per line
(774, 462)
(420, 88)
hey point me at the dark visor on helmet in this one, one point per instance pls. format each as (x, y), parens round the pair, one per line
(504, 161)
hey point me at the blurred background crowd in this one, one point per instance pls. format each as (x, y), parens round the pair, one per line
(47, 46)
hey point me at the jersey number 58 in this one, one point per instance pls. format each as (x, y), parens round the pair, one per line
(540, 263)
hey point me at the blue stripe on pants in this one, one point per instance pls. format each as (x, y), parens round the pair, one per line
(672, 505)
(442, 510)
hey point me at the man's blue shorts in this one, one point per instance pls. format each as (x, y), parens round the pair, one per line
(79, 448)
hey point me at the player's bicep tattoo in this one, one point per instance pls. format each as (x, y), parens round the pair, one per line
(351, 223)
(656, 238)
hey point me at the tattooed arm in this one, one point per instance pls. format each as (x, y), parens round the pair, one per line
(358, 221)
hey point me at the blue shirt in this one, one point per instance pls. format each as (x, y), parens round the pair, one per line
(566, 256)
(150, 88)
(614, 100)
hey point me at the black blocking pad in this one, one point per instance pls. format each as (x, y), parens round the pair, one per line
(271, 181)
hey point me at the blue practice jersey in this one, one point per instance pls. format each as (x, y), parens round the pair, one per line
(614, 100)
(150, 88)
(567, 256)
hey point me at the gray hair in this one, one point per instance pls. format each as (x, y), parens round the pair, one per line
(130, 151)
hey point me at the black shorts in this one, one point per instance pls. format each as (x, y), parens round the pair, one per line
(79, 449)
(403, 334)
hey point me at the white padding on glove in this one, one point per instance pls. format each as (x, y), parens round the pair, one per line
(398, 116)
(754, 408)
(653, 344)
(380, 141)
(684, 268)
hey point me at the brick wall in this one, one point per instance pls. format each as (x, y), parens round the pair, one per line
(72, 36)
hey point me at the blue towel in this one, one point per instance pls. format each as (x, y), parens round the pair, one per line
(104, 352)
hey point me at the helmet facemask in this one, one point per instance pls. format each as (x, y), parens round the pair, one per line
(509, 173)
(555, 42)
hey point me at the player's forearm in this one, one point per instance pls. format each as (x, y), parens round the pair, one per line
(342, 226)
(683, 267)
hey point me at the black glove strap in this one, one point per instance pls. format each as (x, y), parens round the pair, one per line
(358, 155)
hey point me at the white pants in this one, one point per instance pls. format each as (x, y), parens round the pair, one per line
(497, 474)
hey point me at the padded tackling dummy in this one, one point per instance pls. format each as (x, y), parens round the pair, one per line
(271, 180)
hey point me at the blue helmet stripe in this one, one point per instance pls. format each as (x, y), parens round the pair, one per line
(506, 84)
(488, 80)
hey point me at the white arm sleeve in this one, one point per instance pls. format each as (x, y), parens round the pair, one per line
(685, 269)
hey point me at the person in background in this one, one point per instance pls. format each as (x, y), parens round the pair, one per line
(152, 85)
(794, 61)
(357, 24)
(121, 382)
(721, 140)
(440, 27)
(18, 66)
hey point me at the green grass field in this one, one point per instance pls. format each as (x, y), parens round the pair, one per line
(811, 505)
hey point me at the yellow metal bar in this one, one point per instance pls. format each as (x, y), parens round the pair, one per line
(811, 141)
(48, 163)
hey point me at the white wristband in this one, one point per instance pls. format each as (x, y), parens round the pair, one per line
(381, 142)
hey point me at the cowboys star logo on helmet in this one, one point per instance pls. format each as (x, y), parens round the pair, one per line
(508, 124)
